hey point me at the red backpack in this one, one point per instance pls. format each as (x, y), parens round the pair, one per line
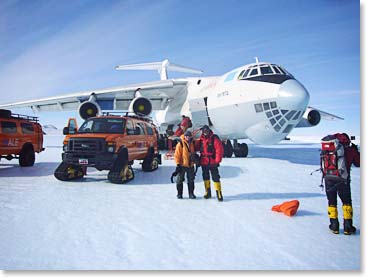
(332, 159)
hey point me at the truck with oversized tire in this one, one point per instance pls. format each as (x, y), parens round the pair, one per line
(21, 136)
(109, 142)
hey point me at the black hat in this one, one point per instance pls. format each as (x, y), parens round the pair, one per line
(205, 128)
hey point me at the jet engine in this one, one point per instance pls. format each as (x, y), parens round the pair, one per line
(89, 108)
(310, 118)
(140, 105)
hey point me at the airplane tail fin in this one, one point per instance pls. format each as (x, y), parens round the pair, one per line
(161, 67)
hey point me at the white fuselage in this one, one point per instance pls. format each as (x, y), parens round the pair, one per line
(262, 111)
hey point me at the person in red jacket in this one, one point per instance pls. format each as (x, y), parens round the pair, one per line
(335, 188)
(211, 154)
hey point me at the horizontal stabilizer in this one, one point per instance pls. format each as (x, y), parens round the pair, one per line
(161, 67)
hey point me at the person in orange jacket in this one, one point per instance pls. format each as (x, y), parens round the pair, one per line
(184, 154)
(211, 154)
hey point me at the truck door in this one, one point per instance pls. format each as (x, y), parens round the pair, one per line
(130, 142)
(141, 139)
(10, 142)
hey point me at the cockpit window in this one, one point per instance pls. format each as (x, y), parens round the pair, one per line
(265, 72)
(253, 72)
(276, 69)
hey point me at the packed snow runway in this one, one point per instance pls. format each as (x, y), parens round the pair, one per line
(93, 224)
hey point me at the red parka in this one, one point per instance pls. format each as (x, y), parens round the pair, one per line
(352, 156)
(211, 150)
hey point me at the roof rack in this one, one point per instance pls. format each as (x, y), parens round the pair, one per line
(25, 117)
(129, 114)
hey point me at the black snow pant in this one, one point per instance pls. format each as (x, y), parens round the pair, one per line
(333, 189)
(190, 173)
(213, 171)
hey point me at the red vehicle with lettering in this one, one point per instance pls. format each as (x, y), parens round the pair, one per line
(21, 136)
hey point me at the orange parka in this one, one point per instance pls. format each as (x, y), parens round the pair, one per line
(183, 152)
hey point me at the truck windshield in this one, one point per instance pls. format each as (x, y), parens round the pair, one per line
(103, 125)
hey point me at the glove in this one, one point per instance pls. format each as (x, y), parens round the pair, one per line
(178, 168)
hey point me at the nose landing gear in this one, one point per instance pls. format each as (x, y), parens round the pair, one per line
(240, 150)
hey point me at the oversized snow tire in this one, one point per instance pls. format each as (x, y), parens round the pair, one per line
(151, 162)
(122, 176)
(27, 156)
(67, 172)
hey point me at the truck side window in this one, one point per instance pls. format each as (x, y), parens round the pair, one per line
(27, 128)
(8, 127)
(130, 128)
(140, 130)
(149, 130)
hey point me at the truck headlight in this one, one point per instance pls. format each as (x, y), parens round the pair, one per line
(111, 147)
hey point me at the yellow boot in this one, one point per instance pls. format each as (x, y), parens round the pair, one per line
(348, 220)
(208, 192)
(334, 222)
(218, 188)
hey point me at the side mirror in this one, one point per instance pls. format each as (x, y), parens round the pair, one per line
(352, 138)
(65, 131)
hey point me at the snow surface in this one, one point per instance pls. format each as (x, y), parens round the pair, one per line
(46, 224)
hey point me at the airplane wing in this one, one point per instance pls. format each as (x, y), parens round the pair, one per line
(313, 116)
(327, 116)
(115, 98)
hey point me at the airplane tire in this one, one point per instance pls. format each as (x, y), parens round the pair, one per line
(241, 151)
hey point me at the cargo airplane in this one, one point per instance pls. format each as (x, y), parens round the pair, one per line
(261, 101)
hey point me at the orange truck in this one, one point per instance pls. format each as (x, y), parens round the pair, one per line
(109, 142)
(21, 136)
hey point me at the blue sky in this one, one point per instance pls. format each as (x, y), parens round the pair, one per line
(54, 47)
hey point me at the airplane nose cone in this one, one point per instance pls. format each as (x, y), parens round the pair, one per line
(293, 95)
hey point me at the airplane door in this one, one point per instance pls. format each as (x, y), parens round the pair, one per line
(199, 113)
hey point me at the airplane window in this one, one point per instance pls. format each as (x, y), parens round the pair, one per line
(275, 112)
(254, 71)
(266, 106)
(258, 108)
(286, 72)
(276, 69)
(245, 73)
(273, 104)
(278, 117)
(277, 128)
(282, 122)
(290, 114)
(280, 70)
(297, 115)
(266, 70)
(272, 121)
(288, 128)
(268, 114)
